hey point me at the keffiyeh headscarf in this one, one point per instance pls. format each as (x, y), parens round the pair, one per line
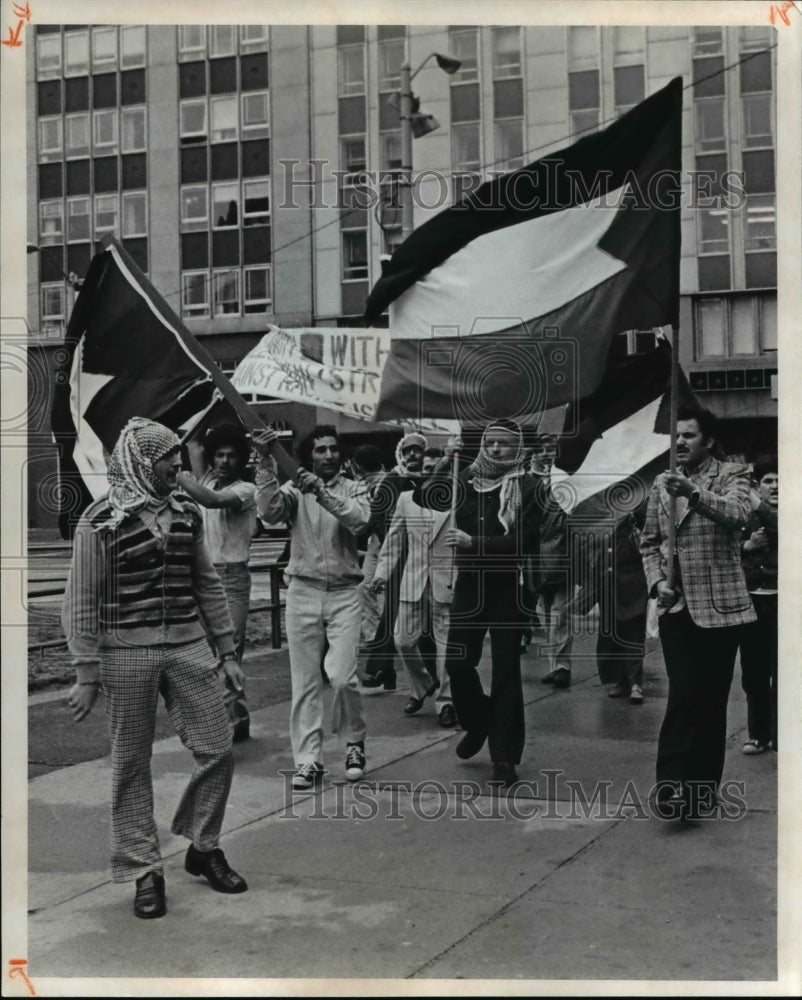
(132, 483)
(407, 441)
(505, 474)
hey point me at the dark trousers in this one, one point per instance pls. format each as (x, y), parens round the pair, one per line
(759, 670)
(619, 651)
(699, 663)
(499, 715)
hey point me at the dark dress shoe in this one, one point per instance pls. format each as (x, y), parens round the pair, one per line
(448, 717)
(385, 680)
(413, 705)
(548, 679)
(505, 773)
(150, 901)
(562, 677)
(470, 745)
(214, 867)
(242, 730)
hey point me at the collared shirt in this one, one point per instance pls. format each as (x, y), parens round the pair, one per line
(229, 532)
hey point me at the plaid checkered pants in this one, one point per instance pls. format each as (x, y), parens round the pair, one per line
(187, 678)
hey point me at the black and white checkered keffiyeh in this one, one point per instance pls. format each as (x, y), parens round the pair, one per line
(132, 483)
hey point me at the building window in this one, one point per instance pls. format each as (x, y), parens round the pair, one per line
(257, 289)
(758, 120)
(52, 301)
(133, 41)
(133, 126)
(760, 229)
(225, 205)
(224, 122)
(754, 38)
(252, 37)
(77, 219)
(194, 208)
(50, 139)
(104, 49)
(107, 208)
(76, 53)
(195, 294)
(76, 133)
(193, 121)
(584, 101)
(48, 56)
(713, 230)
(465, 149)
(135, 213)
(51, 222)
(225, 286)
(464, 45)
(506, 52)
(105, 126)
(255, 115)
(509, 135)
(710, 325)
(351, 70)
(737, 326)
(255, 202)
(191, 42)
(628, 86)
(583, 46)
(628, 44)
(708, 42)
(392, 238)
(353, 160)
(710, 131)
(391, 56)
(222, 40)
(355, 254)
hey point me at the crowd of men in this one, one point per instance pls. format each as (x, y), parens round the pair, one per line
(419, 562)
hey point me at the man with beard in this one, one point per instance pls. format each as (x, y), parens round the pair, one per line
(141, 597)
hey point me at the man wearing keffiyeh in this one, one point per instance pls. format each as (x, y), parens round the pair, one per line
(140, 598)
(497, 522)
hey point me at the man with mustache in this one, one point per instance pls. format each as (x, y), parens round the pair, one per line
(702, 612)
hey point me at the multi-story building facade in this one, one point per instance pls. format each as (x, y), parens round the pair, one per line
(252, 172)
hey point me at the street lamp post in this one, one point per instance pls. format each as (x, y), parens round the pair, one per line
(448, 65)
(73, 281)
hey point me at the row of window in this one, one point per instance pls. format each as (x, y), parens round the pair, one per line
(196, 41)
(736, 326)
(101, 49)
(233, 291)
(226, 205)
(100, 133)
(222, 119)
(89, 217)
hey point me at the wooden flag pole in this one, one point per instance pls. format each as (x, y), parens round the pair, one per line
(452, 516)
(672, 500)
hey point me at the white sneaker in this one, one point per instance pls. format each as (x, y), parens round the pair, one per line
(307, 775)
(636, 695)
(752, 747)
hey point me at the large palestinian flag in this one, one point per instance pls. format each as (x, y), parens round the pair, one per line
(507, 303)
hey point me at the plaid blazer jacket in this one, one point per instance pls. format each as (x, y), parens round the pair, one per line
(707, 544)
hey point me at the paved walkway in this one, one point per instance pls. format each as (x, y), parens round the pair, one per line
(422, 872)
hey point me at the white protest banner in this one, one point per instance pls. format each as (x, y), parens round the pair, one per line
(339, 369)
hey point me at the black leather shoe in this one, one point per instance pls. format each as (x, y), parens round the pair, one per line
(470, 745)
(413, 705)
(387, 681)
(448, 717)
(242, 730)
(150, 900)
(548, 679)
(505, 773)
(214, 867)
(562, 677)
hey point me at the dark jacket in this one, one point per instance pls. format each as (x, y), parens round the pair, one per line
(615, 575)
(760, 568)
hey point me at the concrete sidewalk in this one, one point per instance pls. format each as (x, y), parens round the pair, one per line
(422, 871)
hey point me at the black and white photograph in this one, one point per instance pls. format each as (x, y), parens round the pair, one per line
(392, 419)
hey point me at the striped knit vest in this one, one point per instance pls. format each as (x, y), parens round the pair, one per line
(148, 582)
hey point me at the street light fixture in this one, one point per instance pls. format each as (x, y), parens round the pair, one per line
(415, 124)
(73, 281)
